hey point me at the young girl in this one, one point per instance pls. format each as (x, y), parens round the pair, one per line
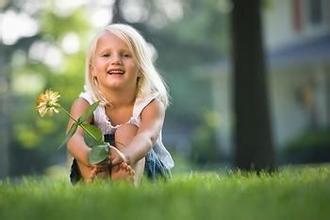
(133, 99)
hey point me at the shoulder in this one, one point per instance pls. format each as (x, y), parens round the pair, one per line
(80, 103)
(78, 107)
(88, 96)
(155, 108)
(84, 100)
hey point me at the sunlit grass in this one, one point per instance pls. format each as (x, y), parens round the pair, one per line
(291, 193)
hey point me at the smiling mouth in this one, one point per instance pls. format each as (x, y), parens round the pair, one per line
(115, 72)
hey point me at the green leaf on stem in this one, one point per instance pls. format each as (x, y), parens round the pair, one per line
(98, 154)
(92, 135)
(88, 112)
(70, 133)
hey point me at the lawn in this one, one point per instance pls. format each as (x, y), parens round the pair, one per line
(291, 193)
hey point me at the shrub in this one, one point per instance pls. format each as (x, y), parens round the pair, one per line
(310, 147)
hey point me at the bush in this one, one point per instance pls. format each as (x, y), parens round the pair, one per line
(205, 149)
(310, 147)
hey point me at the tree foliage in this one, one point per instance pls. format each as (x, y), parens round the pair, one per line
(35, 140)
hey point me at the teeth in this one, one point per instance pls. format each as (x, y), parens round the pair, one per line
(115, 72)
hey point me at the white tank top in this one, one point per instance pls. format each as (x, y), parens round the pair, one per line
(102, 121)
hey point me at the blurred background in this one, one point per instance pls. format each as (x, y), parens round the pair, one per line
(43, 44)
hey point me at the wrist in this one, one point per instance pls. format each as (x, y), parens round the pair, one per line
(127, 156)
(87, 157)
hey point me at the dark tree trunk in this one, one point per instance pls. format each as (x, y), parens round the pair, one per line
(327, 84)
(116, 12)
(252, 126)
(5, 133)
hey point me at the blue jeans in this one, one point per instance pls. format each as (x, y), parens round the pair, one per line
(153, 169)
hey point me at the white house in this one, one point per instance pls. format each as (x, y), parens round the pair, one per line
(297, 43)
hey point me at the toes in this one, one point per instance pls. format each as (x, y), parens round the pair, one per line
(127, 168)
(92, 175)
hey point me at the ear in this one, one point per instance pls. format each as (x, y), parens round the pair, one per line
(139, 74)
(91, 69)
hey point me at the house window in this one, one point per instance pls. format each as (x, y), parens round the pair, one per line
(309, 16)
(315, 12)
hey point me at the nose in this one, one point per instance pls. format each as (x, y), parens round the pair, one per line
(116, 59)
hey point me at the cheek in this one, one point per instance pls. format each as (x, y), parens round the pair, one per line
(98, 66)
(97, 63)
(133, 66)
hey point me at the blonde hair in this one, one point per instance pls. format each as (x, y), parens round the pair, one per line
(150, 81)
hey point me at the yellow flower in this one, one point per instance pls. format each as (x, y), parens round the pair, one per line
(46, 103)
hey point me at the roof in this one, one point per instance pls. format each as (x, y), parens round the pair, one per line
(312, 50)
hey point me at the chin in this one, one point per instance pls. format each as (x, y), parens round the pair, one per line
(114, 87)
(114, 83)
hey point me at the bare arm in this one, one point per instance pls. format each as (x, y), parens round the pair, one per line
(152, 119)
(76, 144)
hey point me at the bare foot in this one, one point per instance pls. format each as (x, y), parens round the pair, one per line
(89, 173)
(123, 171)
(91, 176)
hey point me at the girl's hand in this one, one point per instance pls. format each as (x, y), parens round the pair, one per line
(116, 156)
(92, 175)
(123, 171)
(124, 166)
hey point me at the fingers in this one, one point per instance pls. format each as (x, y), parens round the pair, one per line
(92, 175)
(123, 171)
(116, 156)
(127, 168)
(124, 168)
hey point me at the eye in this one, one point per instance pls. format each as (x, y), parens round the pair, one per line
(127, 55)
(105, 55)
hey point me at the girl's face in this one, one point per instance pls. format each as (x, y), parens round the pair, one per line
(113, 64)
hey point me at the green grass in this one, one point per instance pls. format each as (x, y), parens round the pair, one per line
(292, 193)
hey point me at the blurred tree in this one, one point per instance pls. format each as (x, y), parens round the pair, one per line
(253, 140)
(5, 128)
(204, 146)
(117, 16)
(197, 38)
(52, 58)
(5, 99)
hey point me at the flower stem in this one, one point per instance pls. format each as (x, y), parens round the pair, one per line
(66, 112)
(87, 131)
